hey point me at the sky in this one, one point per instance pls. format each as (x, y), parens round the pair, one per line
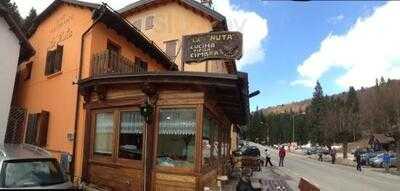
(288, 45)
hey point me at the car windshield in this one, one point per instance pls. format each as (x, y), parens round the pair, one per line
(30, 173)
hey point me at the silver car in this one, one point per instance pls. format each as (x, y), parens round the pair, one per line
(28, 167)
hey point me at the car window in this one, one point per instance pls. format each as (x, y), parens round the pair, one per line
(29, 173)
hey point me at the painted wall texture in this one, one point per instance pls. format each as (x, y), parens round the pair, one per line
(9, 53)
(171, 22)
(57, 93)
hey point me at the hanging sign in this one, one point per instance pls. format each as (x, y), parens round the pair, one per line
(213, 45)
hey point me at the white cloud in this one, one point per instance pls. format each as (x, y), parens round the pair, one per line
(336, 19)
(369, 50)
(253, 26)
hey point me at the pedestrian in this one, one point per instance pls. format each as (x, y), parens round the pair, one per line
(386, 160)
(358, 160)
(320, 155)
(333, 155)
(267, 158)
(282, 154)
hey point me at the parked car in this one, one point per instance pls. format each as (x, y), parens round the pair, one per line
(378, 160)
(252, 151)
(310, 151)
(366, 156)
(26, 166)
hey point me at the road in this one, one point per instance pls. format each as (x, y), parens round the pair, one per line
(333, 177)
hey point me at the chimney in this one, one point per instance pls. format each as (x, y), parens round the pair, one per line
(206, 3)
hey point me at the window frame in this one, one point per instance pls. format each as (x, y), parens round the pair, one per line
(179, 170)
(114, 158)
(54, 59)
(149, 22)
(138, 24)
(176, 41)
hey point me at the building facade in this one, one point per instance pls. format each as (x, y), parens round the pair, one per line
(119, 105)
(14, 48)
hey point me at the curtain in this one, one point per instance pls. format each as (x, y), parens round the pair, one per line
(104, 131)
(177, 121)
(132, 122)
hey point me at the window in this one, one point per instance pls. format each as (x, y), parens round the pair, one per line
(140, 65)
(103, 143)
(206, 141)
(26, 72)
(131, 135)
(149, 22)
(30, 173)
(176, 137)
(36, 132)
(113, 47)
(210, 141)
(170, 48)
(138, 24)
(118, 135)
(54, 60)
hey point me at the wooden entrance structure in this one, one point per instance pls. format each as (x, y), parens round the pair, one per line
(197, 107)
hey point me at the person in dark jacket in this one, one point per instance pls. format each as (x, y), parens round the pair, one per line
(333, 155)
(358, 160)
(282, 154)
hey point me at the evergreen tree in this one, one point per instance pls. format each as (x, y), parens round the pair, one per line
(315, 113)
(29, 20)
(13, 10)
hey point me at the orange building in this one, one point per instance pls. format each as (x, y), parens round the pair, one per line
(93, 76)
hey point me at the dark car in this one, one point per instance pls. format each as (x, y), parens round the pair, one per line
(251, 151)
(29, 167)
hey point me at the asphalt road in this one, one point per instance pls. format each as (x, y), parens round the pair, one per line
(333, 177)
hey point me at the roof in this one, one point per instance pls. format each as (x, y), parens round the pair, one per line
(383, 139)
(229, 91)
(115, 21)
(190, 3)
(22, 151)
(52, 7)
(26, 50)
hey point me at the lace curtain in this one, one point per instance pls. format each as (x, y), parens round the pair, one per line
(177, 121)
(104, 130)
(132, 122)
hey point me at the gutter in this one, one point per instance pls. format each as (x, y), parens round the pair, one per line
(97, 17)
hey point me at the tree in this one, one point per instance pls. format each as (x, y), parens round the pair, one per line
(315, 113)
(13, 10)
(29, 20)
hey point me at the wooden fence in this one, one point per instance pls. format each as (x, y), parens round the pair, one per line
(109, 63)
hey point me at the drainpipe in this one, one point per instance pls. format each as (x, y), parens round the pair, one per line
(76, 120)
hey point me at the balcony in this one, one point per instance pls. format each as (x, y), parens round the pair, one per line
(112, 63)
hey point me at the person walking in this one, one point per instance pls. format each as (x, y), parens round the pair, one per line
(333, 155)
(358, 160)
(267, 158)
(282, 154)
(320, 155)
(386, 161)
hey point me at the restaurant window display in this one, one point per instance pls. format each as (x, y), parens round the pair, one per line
(176, 137)
(210, 141)
(104, 134)
(131, 135)
(120, 129)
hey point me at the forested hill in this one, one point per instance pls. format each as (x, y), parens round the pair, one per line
(300, 106)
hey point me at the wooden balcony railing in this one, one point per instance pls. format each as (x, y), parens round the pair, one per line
(111, 63)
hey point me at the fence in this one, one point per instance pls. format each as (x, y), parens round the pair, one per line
(110, 62)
